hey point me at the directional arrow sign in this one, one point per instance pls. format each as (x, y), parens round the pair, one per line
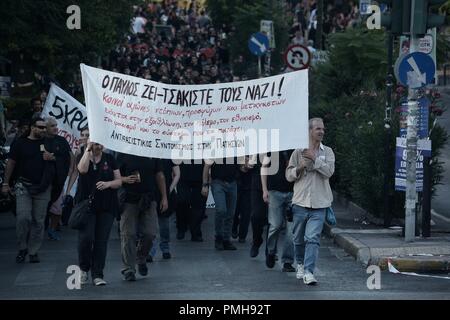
(416, 70)
(258, 43)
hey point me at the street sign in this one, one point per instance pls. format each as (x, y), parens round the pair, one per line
(364, 6)
(266, 27)
(416, 70)
(297, 57)
(258, 44)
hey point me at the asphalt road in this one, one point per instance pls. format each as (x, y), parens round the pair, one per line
(441, 201)
(197, 271)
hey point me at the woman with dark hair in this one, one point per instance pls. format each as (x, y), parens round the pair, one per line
(99, 178)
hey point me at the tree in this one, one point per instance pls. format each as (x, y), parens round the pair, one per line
(38, 29)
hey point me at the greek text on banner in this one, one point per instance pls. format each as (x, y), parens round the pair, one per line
(147, 118)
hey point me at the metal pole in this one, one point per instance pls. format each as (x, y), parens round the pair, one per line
(259, 67)
(387, 126)
(411, 147)
(426, 202)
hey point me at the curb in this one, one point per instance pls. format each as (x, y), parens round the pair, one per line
(408, 259)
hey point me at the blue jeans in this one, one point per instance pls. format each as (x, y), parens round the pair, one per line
(164, 233)
(308, 224)
(278, 204)
(225, 198)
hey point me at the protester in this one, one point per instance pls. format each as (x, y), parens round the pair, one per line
(64, 161)
(99, 178)
(33, 160)
(140, 177)
(311, 170)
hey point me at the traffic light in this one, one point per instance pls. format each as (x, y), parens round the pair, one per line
(397, 20)
(424, 19)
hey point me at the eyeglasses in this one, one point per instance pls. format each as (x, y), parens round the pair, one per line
(41, 127)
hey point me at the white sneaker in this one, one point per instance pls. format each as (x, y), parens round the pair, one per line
(99, 282)
(84, 277)
(309, 278)
(300, 271)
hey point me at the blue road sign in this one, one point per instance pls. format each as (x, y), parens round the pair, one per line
(416, 70)
(258, 44)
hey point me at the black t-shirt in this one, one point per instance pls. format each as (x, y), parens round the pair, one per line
(278, 181)
(191, 173)
(62, 153)
(29, 158)
(225, 172)
(147, 168)
(103, 170)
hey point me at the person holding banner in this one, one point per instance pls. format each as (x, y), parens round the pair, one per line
(141, 177)
(99, 178)
(310, 170)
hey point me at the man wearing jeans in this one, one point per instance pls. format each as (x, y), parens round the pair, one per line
(224, 189)
(277, 193)
(311, 170)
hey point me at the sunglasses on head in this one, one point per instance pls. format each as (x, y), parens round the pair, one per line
(41, 127)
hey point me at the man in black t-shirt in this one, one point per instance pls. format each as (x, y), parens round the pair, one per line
(31, 158)
(277, 193)
(191, 202)
(138, 179)
(64, 161)
(224, 173)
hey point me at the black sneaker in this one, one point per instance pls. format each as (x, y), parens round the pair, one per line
(166, 255)
(197, 239)
(234, 234)
(254, 251)
(219, 245)
(227, 245)
(34, 258)
(149, 259)
(21, 256)
(270, 260)
(287, 267)
(241, 240)
(142, 269)
(129, 276)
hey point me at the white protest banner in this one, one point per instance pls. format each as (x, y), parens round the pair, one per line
(68, 112)
(223, 120)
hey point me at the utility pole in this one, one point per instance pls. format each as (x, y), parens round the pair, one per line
(411, 146)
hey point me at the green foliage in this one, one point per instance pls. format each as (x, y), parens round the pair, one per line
(348, 93)
(357, 58)
(38, 27)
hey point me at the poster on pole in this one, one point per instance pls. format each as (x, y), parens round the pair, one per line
(69, 114)
(222, 120)
(423, 150)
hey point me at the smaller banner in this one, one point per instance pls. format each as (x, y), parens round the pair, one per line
(68, 112)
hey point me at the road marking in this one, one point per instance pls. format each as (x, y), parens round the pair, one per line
(434, 213)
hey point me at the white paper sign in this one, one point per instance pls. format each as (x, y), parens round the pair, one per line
(69, 113)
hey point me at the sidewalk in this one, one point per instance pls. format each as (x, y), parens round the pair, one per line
(371, 244)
